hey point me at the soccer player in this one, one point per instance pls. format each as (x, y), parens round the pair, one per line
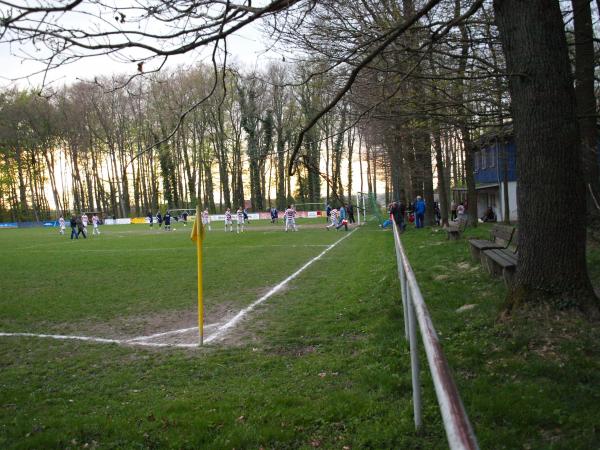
(184, 216)
(167, 221)
(206, 219)
(240, 220)
(228, 220)
(96, 222)
(333, 216)
(73, 223)
(61, 224)
(85, 219)
(159, 219)
(343, 220)
(150, 219)
(290, 218)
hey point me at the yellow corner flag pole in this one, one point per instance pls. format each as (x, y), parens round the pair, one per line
(198, 236)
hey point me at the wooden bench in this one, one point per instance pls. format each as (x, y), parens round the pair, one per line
(499, 234)
(502, 261)
(455, 231)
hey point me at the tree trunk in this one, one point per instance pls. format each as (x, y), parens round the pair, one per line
(552, 264)
(442, 193)
(586, 101)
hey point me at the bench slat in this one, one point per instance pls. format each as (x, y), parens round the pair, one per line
(502, 257)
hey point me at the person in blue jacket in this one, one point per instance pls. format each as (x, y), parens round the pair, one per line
(343, 219)
(419, 211)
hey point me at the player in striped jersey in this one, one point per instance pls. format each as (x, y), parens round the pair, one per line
(290, 218)
(240, 220)
(334, 218)
(206, 219)
(228, 220)
(61, 224)
(95, 223)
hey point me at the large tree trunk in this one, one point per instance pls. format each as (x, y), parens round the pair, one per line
(586, 101)
(552, 262)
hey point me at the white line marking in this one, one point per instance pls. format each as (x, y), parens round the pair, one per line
(233, 322)
(219, 334)
(60, 336)
(166, 333)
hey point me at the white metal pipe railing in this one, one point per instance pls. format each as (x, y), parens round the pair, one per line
(456, 422)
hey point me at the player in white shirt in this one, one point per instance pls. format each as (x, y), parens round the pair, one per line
(334, 218)
(85, 220)
(228, 220)
(290, 218)
(206, 219)
(95, 222)
(240, 220)
(61, 224)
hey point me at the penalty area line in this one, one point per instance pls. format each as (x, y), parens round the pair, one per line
(222, 331)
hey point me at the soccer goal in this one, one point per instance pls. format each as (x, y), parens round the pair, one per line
(177, 214)
(368, 207)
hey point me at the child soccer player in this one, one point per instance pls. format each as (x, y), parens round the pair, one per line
(228, 220)
(333, 215)
(167, 220)
(159, 219)
(290, 218)
(61, 224)
(150, 219)
(240, 220)
(206, 219)
(95, 222)
(85, 219)
(184, 216)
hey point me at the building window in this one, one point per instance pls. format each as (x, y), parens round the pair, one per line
(492, 157)
(483, 158)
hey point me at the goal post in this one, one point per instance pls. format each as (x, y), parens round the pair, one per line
(369, 207)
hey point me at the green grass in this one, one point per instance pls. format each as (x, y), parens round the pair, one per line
(322, 364)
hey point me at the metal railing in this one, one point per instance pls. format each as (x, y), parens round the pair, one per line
(456, 422)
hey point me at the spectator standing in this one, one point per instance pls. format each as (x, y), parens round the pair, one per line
(453, 210)
(460, 212)
(419, 211)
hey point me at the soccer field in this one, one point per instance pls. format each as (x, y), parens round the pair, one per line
(315, 364)
(133, 282)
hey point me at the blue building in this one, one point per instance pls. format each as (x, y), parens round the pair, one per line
(495, 166)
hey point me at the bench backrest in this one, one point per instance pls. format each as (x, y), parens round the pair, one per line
(514, 244)
(503, 233)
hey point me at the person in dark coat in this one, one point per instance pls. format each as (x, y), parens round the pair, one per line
(80, 227)
(73, 223)
(350, 211)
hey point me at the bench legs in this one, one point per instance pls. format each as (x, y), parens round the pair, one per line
(475, 253)
(509, 276)
(453, 235)
(493, 269)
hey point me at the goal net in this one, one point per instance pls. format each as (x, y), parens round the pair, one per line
(369, 208)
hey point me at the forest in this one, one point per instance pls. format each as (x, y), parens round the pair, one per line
(221, 135)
